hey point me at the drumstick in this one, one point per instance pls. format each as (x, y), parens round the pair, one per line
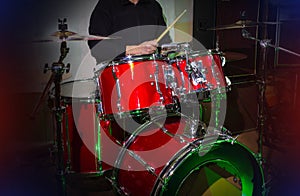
(168, 29)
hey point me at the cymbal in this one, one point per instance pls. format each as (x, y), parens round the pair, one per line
(89, 38)
(234, 56)
(60, 36)
(249, 22)
(63, 34)
(240, 24)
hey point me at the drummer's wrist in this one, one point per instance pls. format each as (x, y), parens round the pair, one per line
(132, 50)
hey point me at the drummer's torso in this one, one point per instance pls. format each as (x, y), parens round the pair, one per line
(123, 14)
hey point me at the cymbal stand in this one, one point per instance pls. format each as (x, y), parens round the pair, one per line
(57, 69)
(261, 80)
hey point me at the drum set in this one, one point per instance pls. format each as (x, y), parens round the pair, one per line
(138, 123)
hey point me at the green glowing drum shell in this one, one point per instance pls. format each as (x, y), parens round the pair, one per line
(227, 154)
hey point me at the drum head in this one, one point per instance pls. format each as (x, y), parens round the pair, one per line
(79, 89)
(136, 58)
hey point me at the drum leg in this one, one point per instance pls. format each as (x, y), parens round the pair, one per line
(67, 144)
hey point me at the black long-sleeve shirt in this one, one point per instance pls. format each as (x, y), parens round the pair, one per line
(134, 24)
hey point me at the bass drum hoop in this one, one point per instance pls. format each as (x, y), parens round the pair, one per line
(225, 150)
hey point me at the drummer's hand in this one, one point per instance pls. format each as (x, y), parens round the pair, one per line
(147, 47)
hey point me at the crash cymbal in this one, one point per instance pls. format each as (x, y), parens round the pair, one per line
(237, 25)
(240, 24)
(60, 36)
(250, 22)
(63, 34)
(234, 56)
(89, 37)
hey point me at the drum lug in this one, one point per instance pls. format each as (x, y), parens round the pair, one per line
(227, 84)
(182, 88)
(156, 80)
(223, 60)
(115, 73)
(169, 77)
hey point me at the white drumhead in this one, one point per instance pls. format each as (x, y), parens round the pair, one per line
(85, 88)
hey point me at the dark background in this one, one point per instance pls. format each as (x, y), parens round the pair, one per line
(23, 167)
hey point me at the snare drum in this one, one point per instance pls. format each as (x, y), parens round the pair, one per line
(159, 159)
(203, 72)
(134, 84)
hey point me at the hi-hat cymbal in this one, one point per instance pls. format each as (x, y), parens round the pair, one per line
(60, 36)
(240, 24)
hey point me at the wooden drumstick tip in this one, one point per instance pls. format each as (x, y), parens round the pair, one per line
(169, 27)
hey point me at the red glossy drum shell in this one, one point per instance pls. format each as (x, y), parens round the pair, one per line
(137, 86)
(80, 136)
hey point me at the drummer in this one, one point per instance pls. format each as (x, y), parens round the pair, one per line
(128, 20)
